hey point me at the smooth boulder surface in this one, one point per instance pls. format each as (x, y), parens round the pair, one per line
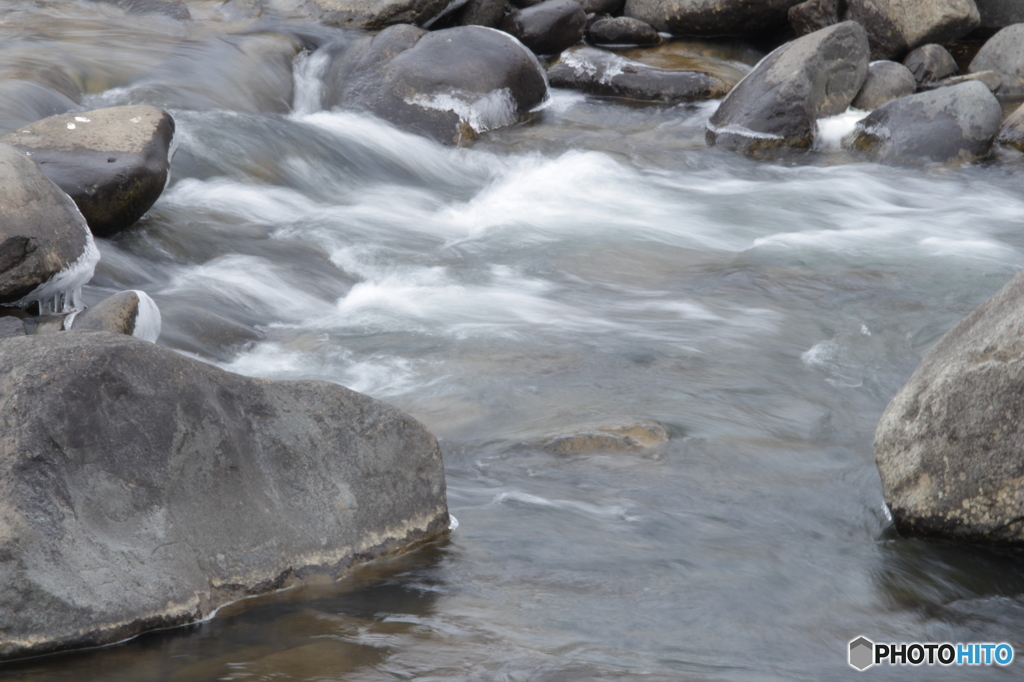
(778, 103)
(897, 26)
(450, 85)
(954, 124)
(997, 14)
(598, 72)
(112, 162)
(375, 14)
(175, 487)
(711, 17)
(129, 312)
(1012, 132)
(813, 15)
(45, 245)
(549, 27)
(621, 31)
(886, 81)
(949, 445)
(930, 63)
(1004, 53)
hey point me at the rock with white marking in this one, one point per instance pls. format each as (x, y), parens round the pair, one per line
(450, 85)
(113, 163)
(129, 312)
(46, 250)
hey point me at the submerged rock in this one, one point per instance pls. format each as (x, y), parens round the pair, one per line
(930, 63)
(711, 17)
(954, 124)
(23, 102)
(1004, 53)
(598, 72)
(949, 445)
(374, 14)
(641, 435)
(168, 8)
(450, 85)
(46, 250)
(886, 81)
(112, 162)
(621, 31)
(130, 312)
(195, 329)
(895, 26)
(778, 104)
(549, 27)
(174, 487)
(813, 15)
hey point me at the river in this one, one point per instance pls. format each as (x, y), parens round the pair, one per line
(598, 264)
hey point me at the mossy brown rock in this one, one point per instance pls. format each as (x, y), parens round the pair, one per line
(949, 445)
(173, 487)
(624, 436)
(113, 163)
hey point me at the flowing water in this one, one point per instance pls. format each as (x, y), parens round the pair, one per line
(596, 265)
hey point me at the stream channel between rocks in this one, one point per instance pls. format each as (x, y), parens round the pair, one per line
(598, 264)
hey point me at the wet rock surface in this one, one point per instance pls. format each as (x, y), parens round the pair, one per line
(886, 81)
(376, 14)
(813, 15)
(778, 103)
(450, 85)
(626, 436)
(948, 445)
(112, 162)
(167, 8)
(711, 17)
(953, 124)
(930, 63)
(895, 27)
(1004, 54)
(598, 72)
(548, 27)
(621, 31)
(42, 233)
(177, 487)
(487, 13)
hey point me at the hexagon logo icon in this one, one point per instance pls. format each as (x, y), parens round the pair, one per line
(862, 653)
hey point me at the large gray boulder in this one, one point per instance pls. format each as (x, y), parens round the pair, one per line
(711, 17)
(949, 444)
(548, 27)
(897, 26)
(778, 103)
(375, 14)
(141, 489)
(599, 72)
(997, 14)
(46, 249)
(112, 162)
(450, 85)
(954, 124)
(1004, 54)
(886, 81)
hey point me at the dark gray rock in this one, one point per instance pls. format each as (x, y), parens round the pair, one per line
(598, 72)
(997, 14)
(112, 162)
(1012, 132)
(712, 17)
(487, 13)
(814, 15)
(450, 85)
(129, 312)
(947, 125)
(375, 14)
(549, 27)
(930, 63)
(886, 81)
(174, 487)
(1004, 53)
(621, 31)
(168, 8)
(949, 445)
(990, 79)
(611, 7)
(23, 102)
(896, 26)
(46, 248)
(195, 329)
(778, 103)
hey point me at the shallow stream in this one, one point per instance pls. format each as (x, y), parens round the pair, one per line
(596, 265)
